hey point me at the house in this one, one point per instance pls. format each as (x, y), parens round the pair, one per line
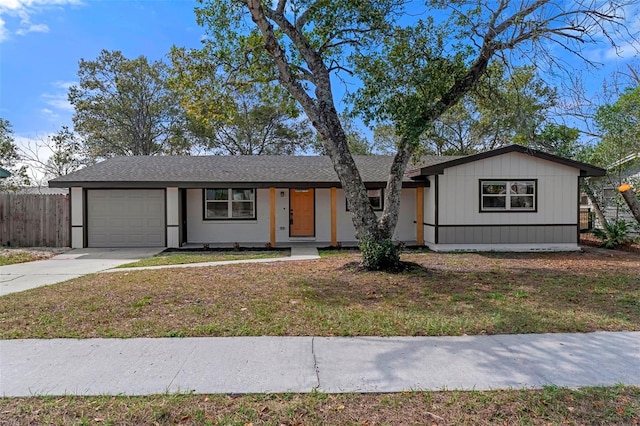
(4, 173)
(512, 198)
(626, 170)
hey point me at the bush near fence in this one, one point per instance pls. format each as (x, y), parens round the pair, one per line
(34, 220)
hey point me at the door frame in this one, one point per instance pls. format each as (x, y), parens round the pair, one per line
(313, 201)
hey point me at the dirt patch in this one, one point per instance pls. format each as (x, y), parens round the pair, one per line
(590, 240)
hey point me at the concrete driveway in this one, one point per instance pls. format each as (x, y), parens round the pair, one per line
(72, 264)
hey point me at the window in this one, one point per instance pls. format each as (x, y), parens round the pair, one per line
(227, 203)
(507, 195)
(375, 198)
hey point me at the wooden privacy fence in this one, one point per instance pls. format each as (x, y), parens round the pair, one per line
(34, 220)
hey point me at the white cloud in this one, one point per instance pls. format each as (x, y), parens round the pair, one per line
(34, 28)
(50, 114)
(57, 100)
(4, 33)
(64, 84)
(20, 12)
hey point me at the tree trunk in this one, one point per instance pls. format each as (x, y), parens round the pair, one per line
(596, 206)
(631, 198)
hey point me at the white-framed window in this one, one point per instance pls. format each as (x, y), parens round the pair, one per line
(229, 203)
(508, 195)
(375, 198)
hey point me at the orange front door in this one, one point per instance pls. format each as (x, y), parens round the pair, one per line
(301, 213)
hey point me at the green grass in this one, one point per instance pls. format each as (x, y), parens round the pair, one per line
(440, 295)
(617, 405)
(173, 258)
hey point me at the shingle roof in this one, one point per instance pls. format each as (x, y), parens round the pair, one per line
(199, 171)
(268, 170)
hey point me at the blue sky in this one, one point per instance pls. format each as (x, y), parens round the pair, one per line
(41, 42)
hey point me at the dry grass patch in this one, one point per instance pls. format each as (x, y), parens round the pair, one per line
(588, 406)
(443, 294)
(10, 256)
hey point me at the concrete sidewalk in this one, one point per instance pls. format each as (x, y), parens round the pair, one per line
(302, 364)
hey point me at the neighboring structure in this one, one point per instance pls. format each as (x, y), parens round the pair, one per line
(625, 170)
(4, 173)
(512, 198)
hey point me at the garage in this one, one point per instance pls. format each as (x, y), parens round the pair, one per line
(126, 218)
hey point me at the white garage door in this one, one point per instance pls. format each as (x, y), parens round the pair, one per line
(125, 218)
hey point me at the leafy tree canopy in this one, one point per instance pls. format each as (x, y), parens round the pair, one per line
(232, 115)
(124, 107)
(619, 125)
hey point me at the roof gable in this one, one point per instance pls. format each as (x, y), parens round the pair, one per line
(585, 169)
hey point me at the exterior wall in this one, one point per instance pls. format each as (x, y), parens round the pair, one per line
(513, 234)
(282, 215)
(460, 222)
(257, 231)
(227, 231)
(430, 211)
(173, 218)
(77, 217)
(405, 230)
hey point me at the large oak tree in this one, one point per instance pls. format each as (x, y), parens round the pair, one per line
(411, 70)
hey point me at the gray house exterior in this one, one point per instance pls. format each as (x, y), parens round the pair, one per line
(512, 198)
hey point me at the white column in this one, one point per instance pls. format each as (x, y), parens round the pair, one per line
(173, 218)
(77, 217)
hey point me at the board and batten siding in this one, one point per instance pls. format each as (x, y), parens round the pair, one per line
(554, 222)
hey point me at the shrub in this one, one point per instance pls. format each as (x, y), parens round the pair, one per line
(379, 254)
(614, 234)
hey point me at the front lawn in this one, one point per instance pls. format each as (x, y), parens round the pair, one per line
(178, 258)
(443, 294)
(549, 406)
